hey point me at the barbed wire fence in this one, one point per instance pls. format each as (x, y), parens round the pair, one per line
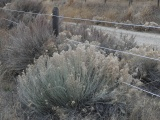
(130, 2)
(56, 15)
(82, 19)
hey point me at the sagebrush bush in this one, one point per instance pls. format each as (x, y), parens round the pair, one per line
(72, 80)
(34, 6)
(26, 43)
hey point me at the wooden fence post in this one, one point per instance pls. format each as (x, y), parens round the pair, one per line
(130, 2)
(55, 21)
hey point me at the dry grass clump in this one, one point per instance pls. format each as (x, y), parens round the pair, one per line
(3, 39)
(140, 106)
(146, 70)
(146, 109)
(149, 13)
(81, 81)
(74, 12)
(34, 6)
(28, 6)
(9, 105)
(26, 43)
(3, 2)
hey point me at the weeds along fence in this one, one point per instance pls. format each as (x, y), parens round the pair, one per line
(130, 2)
(55, 24)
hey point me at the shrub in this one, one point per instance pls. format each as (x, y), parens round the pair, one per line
(72, 80)
(26, 43)
(34, 6)
(146, 70)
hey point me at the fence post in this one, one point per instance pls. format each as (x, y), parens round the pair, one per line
(158, 3)
(130, 2)
(55, 21)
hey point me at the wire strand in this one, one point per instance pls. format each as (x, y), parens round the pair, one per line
(11, 10)
(82, 19)
(9, 20)
(119, 51)
(141, 89)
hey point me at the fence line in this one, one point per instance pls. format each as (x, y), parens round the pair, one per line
(151, 83)
(19, 11)
(9, 20)
(153, 94)
(105, 48)
(82, 19)
(119, 51)
(138, 88)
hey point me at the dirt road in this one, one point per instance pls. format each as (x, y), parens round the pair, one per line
(140, 37)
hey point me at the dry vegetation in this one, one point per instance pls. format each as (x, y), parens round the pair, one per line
(43, 77)
(140, 12)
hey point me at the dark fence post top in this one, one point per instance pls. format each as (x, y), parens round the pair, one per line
(55, 21)
(55, 10)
